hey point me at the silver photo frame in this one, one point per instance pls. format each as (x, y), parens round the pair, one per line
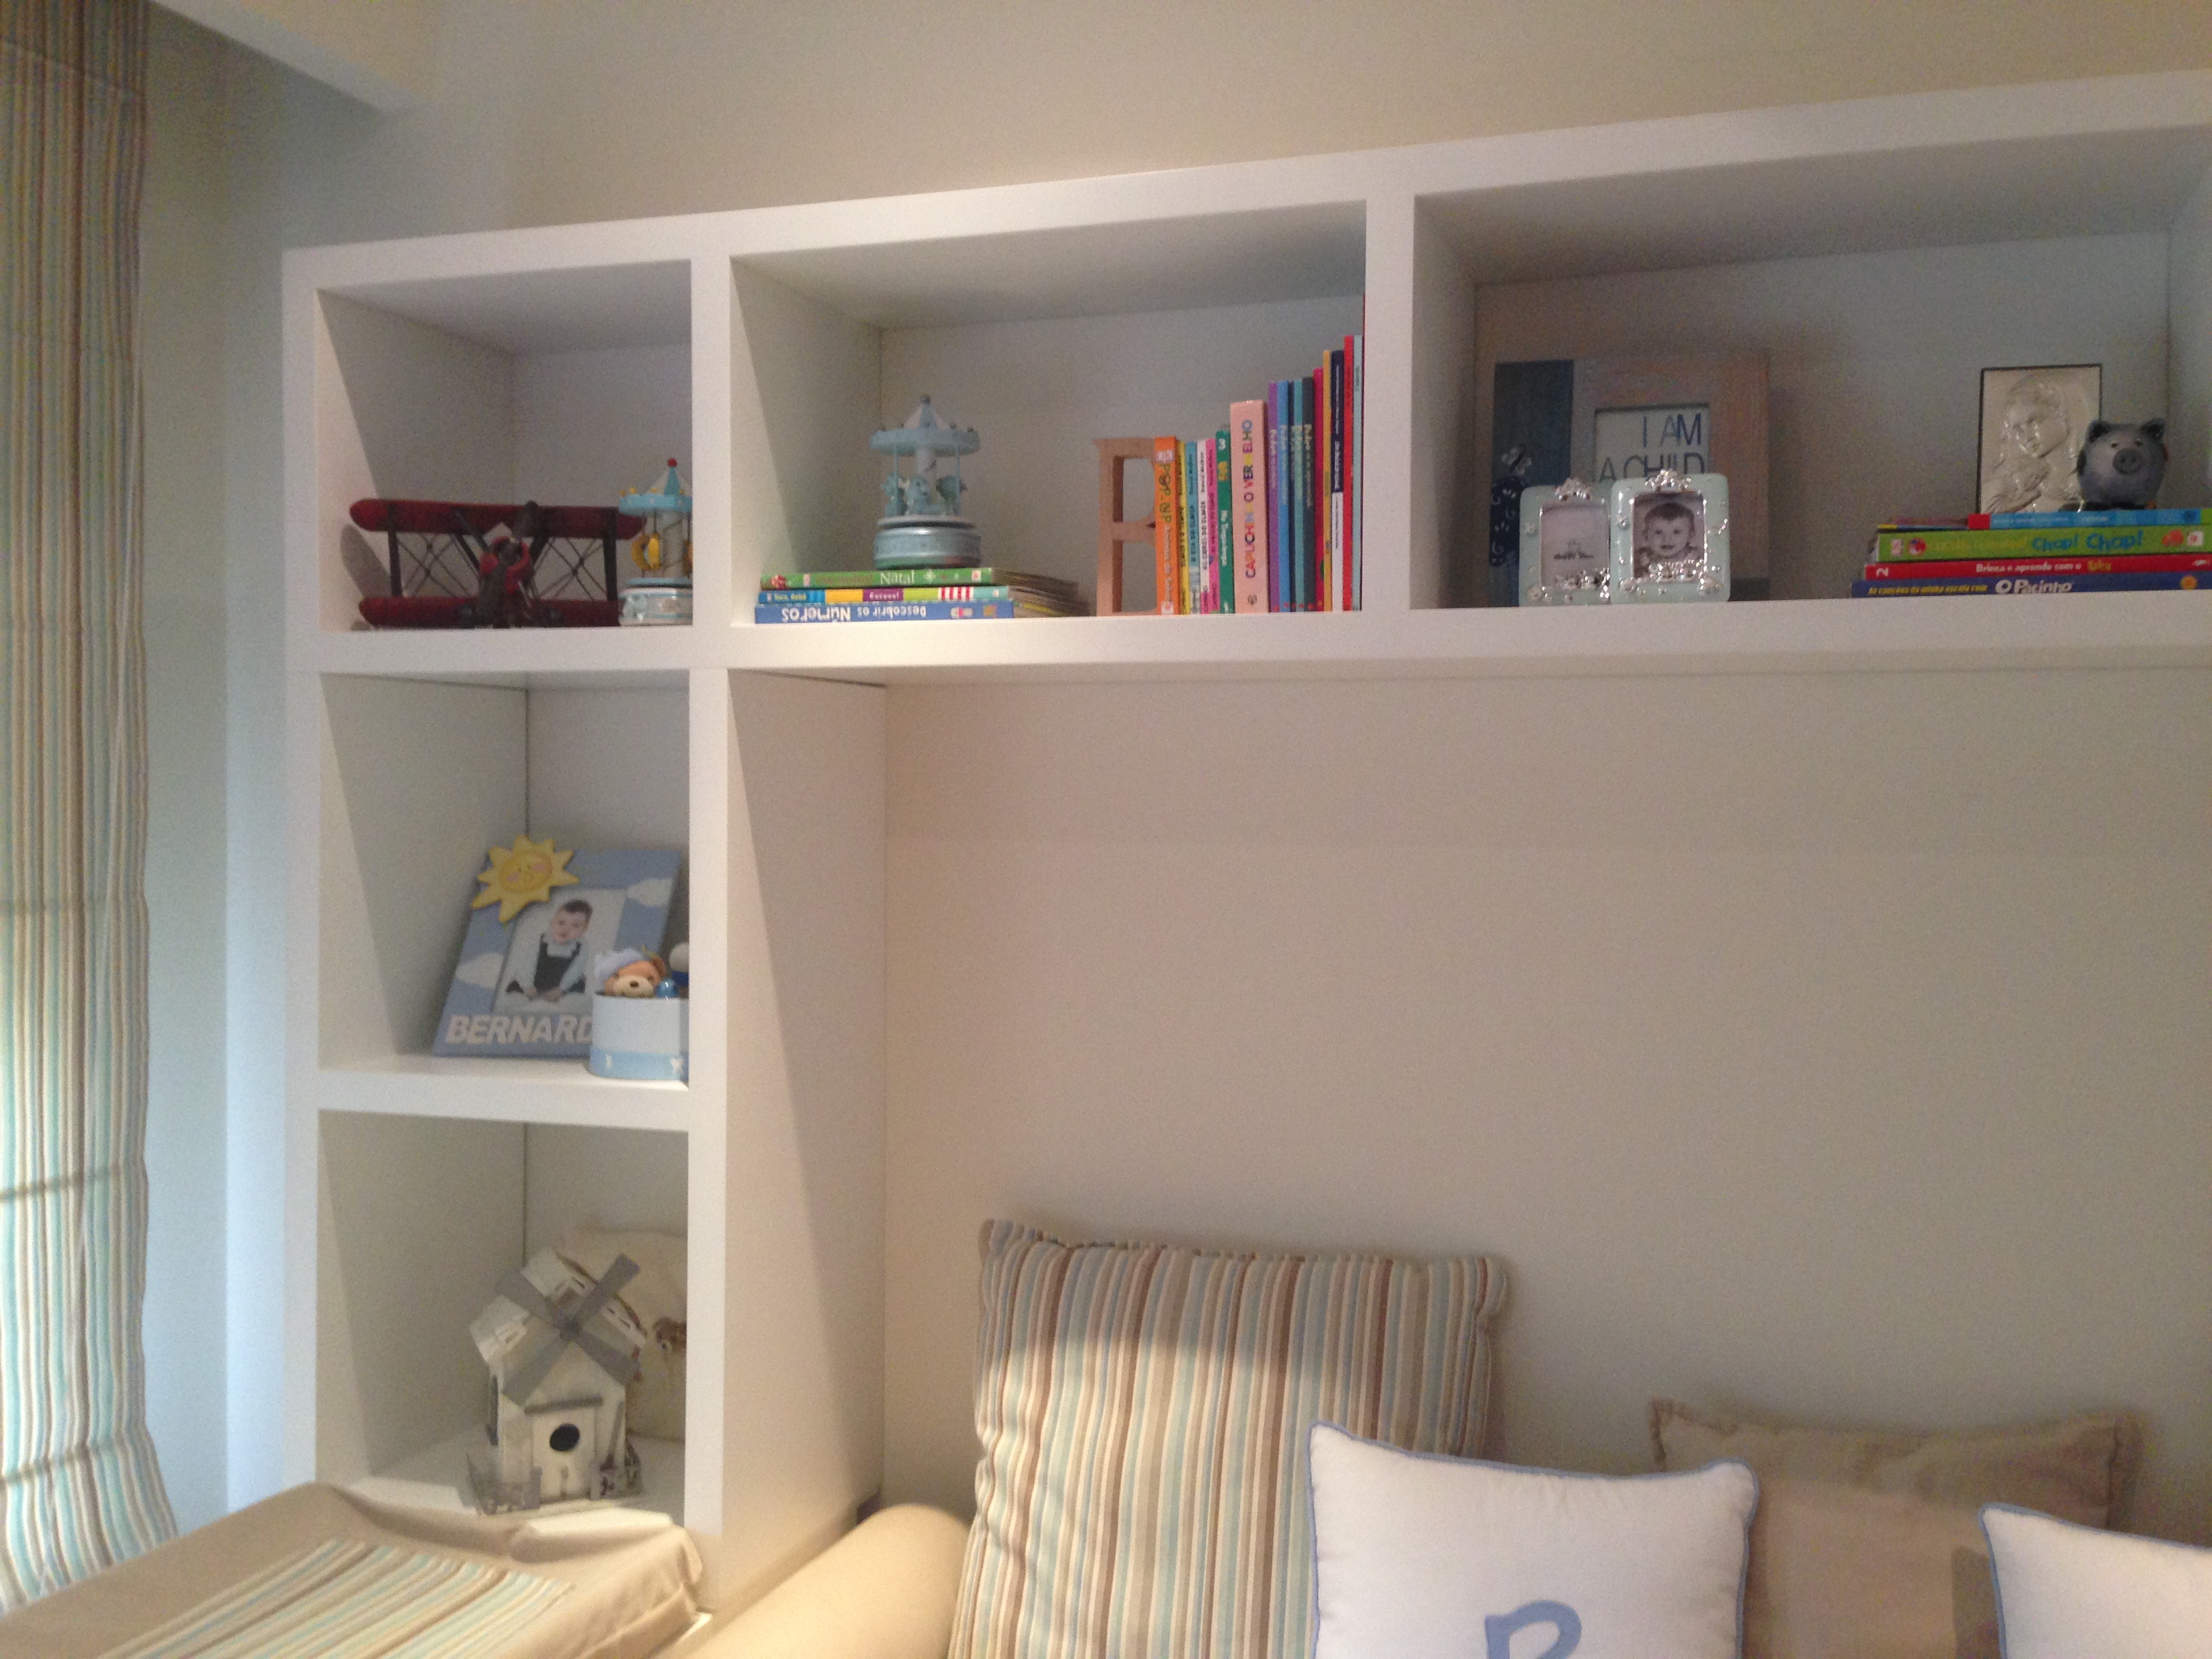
(1670, 538)
(1566, 546)
(2034, 420)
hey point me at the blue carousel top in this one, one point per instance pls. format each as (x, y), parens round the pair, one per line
(669, 495)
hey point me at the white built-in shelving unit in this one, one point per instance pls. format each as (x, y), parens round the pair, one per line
(761, 348)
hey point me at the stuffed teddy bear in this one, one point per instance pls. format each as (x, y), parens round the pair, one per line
(2122, 465)
(641, 978)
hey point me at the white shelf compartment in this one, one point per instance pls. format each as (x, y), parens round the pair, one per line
(1879, 253)
(1043, 339)
(419, 777)
(429, 381)
(419, 1219)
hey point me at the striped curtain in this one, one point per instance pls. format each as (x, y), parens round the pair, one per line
(79, 1486)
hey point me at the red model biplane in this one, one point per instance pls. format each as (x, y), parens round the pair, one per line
(473, 564)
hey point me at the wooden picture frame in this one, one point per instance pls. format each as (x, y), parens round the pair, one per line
(1731, 386)
(1116, 529)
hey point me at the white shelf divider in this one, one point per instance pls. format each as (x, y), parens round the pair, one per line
(506, 1091)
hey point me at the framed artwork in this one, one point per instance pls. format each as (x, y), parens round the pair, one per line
(1670, 537)
(2034, 421)
(541, 916)
(1604, 419)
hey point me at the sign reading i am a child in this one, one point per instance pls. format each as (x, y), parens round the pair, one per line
(523, 984)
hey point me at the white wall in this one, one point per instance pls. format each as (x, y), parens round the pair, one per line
(1831, 1046)
(182, 346)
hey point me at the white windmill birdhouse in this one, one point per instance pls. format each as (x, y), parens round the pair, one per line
(560, 1347)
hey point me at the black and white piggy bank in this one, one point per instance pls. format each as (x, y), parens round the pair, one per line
(2122, 465)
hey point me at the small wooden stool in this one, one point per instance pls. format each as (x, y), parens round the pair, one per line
(1115, 528)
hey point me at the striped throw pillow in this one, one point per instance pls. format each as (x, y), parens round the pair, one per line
(1144, 1415)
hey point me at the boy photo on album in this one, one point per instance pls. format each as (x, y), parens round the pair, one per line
(551, 954)
(541, 916)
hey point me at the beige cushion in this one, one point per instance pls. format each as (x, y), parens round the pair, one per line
(1840, 1573)
(1867, 1543)
(1144, 1413)
(656, 1297)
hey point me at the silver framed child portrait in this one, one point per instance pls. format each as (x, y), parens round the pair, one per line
(1670, 538)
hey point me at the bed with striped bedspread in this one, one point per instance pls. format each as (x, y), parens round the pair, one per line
(318, 1573)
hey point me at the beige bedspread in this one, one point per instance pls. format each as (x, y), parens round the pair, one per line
(630, 1576)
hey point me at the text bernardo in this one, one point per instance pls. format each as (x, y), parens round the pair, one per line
(472, 1030)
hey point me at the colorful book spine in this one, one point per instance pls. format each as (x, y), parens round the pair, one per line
(1324, 421)
(2107, 518)
(924, 577)
(887, 610)
(1339, 438)
(1225, 540)
(1193, 533)
(1248, 428)
(1278, 497)
(1300, 448)
(1166, 539)
(1937, 569)
(1209, 493)
(1359, 467)
(2073, 541)
(2101, 582)
(987, 591)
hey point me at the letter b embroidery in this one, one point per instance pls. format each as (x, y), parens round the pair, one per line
(1497, 1629)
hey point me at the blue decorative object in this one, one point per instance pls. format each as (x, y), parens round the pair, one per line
(663, 548)
(1508, 492)
(922, 526)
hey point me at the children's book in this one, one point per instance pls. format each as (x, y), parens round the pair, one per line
(2098, 582)
(1166, 539)
(908, 611)
(1279, 496)
(2073, 541)
(1247, 427)
(1939, 570)
(1224, 539)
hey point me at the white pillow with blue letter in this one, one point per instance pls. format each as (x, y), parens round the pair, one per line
(1436, 1557)
(2071, 1592)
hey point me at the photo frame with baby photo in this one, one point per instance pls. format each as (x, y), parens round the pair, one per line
(1670, 538)
(521, 986)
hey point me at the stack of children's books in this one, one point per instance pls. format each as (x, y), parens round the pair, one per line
(1265, 514)
(916, 595)
(2095, 552)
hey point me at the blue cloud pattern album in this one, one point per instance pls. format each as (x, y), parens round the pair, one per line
(523, 984)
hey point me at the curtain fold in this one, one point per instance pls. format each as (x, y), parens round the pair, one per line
(79, 1484)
